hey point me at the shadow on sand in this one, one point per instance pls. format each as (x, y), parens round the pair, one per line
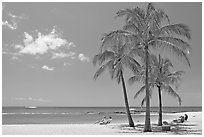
(176, 129)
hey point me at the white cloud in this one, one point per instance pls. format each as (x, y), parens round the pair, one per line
(14, 58)
(41, 44)
(15, 17)
(11, 53)
(14, 20)
(63, 55)
(12, 26)
(83, 58)
(66, 63)
(72, 44)
(47, 68)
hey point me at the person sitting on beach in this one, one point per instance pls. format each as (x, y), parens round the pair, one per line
(109, 120)
(104, 121)
(101, 121)
(179, 120)
(185, 117)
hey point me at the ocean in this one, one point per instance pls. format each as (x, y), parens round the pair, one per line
(80, 115)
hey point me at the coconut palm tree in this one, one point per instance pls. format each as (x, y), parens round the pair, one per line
(114, 55)
(162, 78)
(151, 29)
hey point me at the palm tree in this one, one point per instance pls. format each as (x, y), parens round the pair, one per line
(114, 55)
(147, 30)
(162, 78)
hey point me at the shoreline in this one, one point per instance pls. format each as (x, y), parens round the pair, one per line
(192, 126)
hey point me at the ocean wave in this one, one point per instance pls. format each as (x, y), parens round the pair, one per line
(79, 113)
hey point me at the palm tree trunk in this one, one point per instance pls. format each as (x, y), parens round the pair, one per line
(147, 127)
(160, 107)
(131, 123)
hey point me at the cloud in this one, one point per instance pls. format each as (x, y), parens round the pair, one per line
(63, 55)
(13, 20)
(12, 26)
(66, 63)
(47, 68)
(41, 44)
(11, 53)
(72, 44)
(14, 58)
(15, 17)
(83, 58)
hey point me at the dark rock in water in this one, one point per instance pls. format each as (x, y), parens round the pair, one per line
(117, 112)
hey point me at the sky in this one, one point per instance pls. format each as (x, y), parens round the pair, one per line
(47, 52)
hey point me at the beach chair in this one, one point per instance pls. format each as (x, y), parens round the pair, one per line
(166, 126)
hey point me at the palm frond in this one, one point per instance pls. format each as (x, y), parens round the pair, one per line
(142, 89)
(170, 90)
(144, 99)
(131, 27)
(175, 45)
(102, 69)
(161, 15)
(132, 64)
(139, 11)
(176, 42)
(138, 50)
(153, 60)
(111, 40)
(135, 15)
(176, 74)
(150, 9)
(118, 75)
(116, 72)
(167, 62)
(155, 19)
(95, 59)
(136, 78)
(174, 78)
(179, 29)
(105, 56)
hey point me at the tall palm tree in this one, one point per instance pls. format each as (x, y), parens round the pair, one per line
(114, 55)
(151, 29)
(162, 78)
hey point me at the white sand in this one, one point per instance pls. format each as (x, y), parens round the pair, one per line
(66, 129)
(192, 126)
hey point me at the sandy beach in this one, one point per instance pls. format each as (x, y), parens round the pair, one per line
(192, 126)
